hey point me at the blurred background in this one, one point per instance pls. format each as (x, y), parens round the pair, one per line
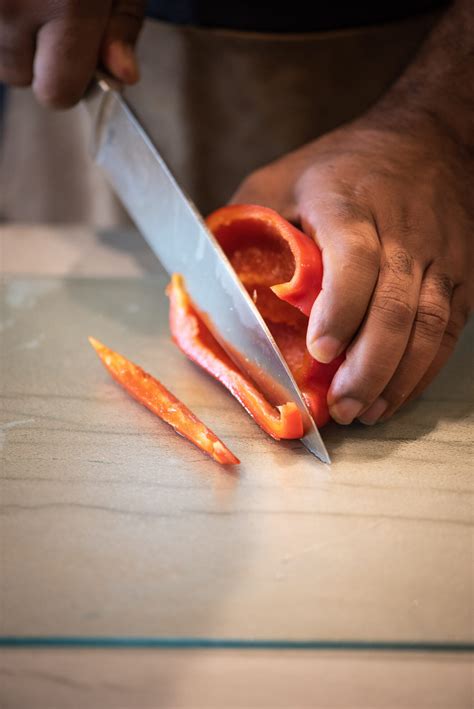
(46, 175)
(218, 103)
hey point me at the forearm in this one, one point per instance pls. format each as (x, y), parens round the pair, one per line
(437, 89)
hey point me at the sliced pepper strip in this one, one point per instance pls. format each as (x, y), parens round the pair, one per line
(195, 340)
(152, 394)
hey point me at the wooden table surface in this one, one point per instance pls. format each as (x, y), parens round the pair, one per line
(112, 526)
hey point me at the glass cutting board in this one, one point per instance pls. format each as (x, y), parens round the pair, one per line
(116, 530)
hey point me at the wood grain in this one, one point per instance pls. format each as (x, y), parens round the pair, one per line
(151, 679)
(112, 525)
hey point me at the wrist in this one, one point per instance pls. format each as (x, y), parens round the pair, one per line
(435, 95)
(425, 116)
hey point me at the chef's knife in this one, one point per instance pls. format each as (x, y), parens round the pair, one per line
(180, 239)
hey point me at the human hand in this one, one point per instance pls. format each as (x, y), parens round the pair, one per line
(56, 45)
(393, 213)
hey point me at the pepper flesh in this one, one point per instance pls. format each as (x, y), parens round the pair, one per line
(266, 250)
(195, 340)
(281, 268)
(152, 394)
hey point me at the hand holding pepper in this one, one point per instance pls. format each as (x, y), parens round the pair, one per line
(390, 201)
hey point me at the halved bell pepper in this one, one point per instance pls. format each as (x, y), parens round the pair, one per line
(281, 268)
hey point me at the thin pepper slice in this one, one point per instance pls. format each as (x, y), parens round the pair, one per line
(152, 394)
(196, 341)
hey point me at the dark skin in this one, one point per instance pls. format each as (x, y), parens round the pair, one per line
(56, 45)
(389, 198)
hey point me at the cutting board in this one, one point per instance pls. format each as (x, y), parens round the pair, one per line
(112, 526)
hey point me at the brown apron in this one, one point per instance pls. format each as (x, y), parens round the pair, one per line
(218, 104)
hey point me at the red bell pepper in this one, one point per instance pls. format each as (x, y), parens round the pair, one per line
(195, 340)
(152, 394)
(281, 269)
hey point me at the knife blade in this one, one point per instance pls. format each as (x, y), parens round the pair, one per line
(178, 236)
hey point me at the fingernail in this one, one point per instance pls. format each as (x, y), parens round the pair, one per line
(374, 412)
(325, 349)
(130, 68)
(121, 62)
(346, 410)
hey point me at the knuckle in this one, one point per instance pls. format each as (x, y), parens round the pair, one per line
(362, 250)
(455, 326)
(403, 226)
(451, 334)
(393, 310)
(443, 285)
(348, 211)
(56, 95)
(399, 263)
(431, 320)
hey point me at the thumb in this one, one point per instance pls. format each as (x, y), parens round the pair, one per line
(117, 51)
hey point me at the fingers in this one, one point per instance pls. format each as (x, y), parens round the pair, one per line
(457, 320)
(117, 51)
(351, 260)
(377, 350)
(67, 56)
(17, 48)
(60, 49)
(430, 324)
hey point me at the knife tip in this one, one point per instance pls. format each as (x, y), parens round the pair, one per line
(316, 447)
